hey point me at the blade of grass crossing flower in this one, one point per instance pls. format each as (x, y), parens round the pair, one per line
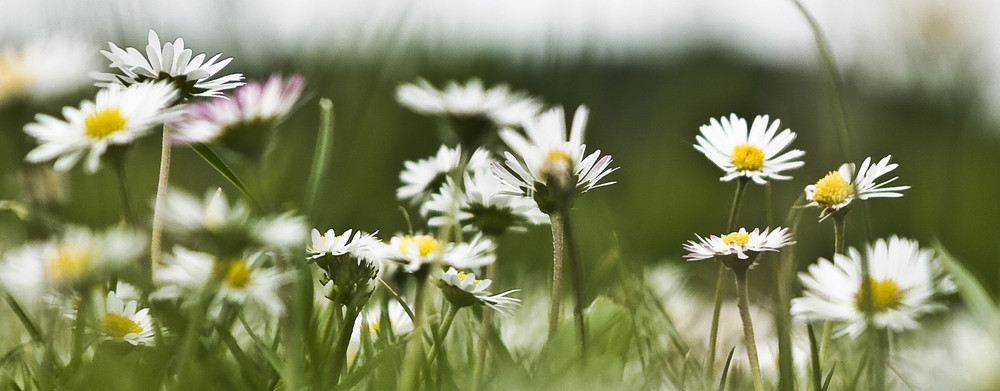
(816, 373)
(223, 169)
(247, 367)
(269, 353)
(969, 288)
(725, 369)
(829, 377)
(322, 154)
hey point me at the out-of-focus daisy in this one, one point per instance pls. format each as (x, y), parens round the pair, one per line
(76, 259)
(121, 321)
(243, 122)
(837, 189)
(396, 324)
(238, 281)
(361, 245)
(463, 290)
(45, 68)
(415, 251)
(425, 176)
(170, 62)
(755, 153)
(554, 169)
(904, 282)
(231, 229)
(118, 116)
(738, 243)
(483, 206)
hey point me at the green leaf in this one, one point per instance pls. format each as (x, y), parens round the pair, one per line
(321, 156)
(223, 169)
(725, 370)
(969, 288)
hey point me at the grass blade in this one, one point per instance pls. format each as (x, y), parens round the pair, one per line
(223, 169)
(321, 156)
(725, 370)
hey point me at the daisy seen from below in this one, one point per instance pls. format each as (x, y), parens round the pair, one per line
(243, 122)
(350, 265)
(548, 166)
(171, 62)
(835, 191)
(120, 320)
(754, 153)
(744, 245)
(117, 117)
(415, 251)
(463, 290)
(905, 282)
(45, 68)
(484, 206)
(423, 177)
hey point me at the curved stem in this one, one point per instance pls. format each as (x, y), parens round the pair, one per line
(748, 337)
(557, 261)
(156, 238)
(346, 330)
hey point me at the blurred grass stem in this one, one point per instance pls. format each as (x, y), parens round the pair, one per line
(156, 237)
(742, 293)
(720, 284)
(322, 154)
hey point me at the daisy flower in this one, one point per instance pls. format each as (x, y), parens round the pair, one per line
(837, 189)
(498, 104)
(738, 243)
(170, 62)
(415, 251)
(904, 280)
(243, 121)
(121, 321)
(117, 116)
(554, 169)
(463, 290)
(45, 68)
(483, 206)
(754, 154)
(236, 281)
(422, 177)
(361, 245)
(350, 264)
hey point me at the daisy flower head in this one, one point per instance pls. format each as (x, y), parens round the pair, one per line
(415, 251)
(548, 166)
(120, 320)
(904, 282)
(116, 117)
(835, 191)
(423, 177)
(350, 264)
(483, 206)
(45, 68)
(171, 62)
(473, 110)
(243, 122)
(463, 290)
(754, 153)
(738, 243)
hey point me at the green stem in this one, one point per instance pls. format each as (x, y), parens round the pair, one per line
(742, 292)
(414, 358)
(33, 330)
(449, 317)
(557, 262)
(576, 271)
(484, 330)
(156, 238)
(881, 361)
(322, 154)
(346, 330)
(80, 326)
(119, 166)
(839, 238)
(720, 285)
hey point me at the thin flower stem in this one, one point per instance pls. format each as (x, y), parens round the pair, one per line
(156, 238)
(751, 345)
(576, 271)
(839, 238)
(881, 361)
(322, 155)
(720, 285)
(119, 166)
(80, 326)
(484, 330)
(33, 330)
(449, 318)
(346, 330)
(557, 261)
(413, 358)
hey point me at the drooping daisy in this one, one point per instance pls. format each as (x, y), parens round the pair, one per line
(837, 189)
(75, 259)
(45, 68)
(738, 243)
(242, 122)
(415, 251)
(554, 169)
(118, 116)
(755, 153)
(172, 63)
(118, 320)
(463, 290)
(423, 177)
(483, 206)
(904, 283)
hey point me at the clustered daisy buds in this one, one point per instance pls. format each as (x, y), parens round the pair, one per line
(349, 265)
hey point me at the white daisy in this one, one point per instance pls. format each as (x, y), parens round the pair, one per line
(755, 154)
(361, 245)
(45, 68)
(242, 121)
(497, 104)
(422, 177)
(121, 321)
(397, 324)
(554, 168)
(419, 250)
(463, 289)
(171, 62)
(904, 282)
(738, 243)
(837, 189)
(484, 206)
(117, 116)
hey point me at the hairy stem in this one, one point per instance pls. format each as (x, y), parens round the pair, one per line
(576, 271)
(557, 261)
(156, 238)
(720, 284)
(742, 293)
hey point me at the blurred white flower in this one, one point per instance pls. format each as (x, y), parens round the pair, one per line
(121, 321)
(118, 116)
(837, 189)
(415, 251)
(498, 104)
(904, 281)
(463, 289)
(755, 153)
(425, 176)
(171, 62)
(485, 206)
(45, 68)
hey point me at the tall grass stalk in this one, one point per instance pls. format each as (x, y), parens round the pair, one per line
(322, 155)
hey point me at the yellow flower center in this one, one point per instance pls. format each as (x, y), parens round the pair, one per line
(833, 189)
(747, 157)
(118, 325)
(101, 124)
(426, 244)
(886, 295)
(238, 274)
(68, 263)
(557, 165)
(14, 77)
(736, 238)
